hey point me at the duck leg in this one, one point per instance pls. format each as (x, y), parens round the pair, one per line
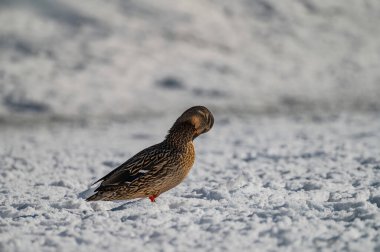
(153, 198)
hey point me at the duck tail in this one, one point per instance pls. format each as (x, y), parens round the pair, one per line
(103, 193)
(94, 197)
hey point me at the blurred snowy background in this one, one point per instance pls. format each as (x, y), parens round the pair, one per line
(110, 58)
(291, 164)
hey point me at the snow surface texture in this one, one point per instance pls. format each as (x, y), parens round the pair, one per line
(107, 58)
(293, 160)
(264, 184)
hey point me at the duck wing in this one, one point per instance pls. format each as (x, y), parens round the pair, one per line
(148, 160)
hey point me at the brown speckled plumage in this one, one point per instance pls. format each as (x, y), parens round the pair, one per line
(160, 167)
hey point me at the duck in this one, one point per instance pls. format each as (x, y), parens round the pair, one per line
(160, 167)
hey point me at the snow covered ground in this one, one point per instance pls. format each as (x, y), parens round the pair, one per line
(110, 58)
(293, 160)
(258, 184)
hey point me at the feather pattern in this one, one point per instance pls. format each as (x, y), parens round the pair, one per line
(160, 167)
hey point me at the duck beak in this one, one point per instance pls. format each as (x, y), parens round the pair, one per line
(195, 135)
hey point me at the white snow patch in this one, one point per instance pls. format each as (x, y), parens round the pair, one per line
(292, 183)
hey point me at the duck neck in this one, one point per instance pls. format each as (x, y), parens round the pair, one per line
(180, 135)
